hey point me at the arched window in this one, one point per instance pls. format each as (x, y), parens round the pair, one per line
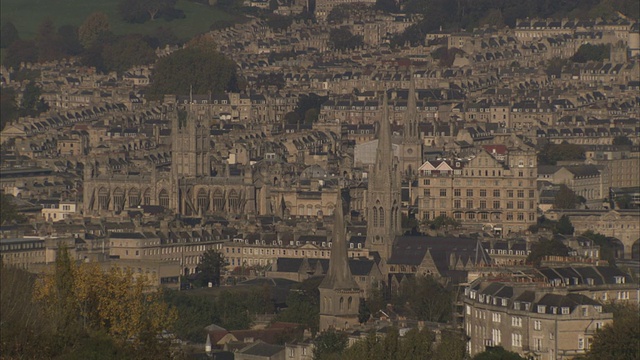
(118, 198)
(163, 198)
(234, 201)
(134, 197)
(218, 200)
(381, 220)
(103, 198)
(147, 197)
(203, 200)
(341, 304)
(349, 303)
(375, 216)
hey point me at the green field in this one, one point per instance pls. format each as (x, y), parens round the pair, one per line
(26, 15)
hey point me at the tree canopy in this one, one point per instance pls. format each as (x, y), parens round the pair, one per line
(425, 298)
(140, 11)
(8, 34)
(550, 154)
(622, 140)
(546, 247)
(194, 69)
(565, 198)
(588, 52)
(618, 341)
(342, 39)
(210, 267)
(498, 353)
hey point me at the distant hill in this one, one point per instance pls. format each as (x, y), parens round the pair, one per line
(26, 15)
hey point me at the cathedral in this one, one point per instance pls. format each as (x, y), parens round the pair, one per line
(184, 182)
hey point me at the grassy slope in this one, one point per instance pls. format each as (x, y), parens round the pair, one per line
(26, 15)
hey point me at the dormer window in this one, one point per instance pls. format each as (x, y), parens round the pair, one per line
(542, 309)
(565, 311)
(619, 279)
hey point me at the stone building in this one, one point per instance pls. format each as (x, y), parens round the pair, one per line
(383, 195)
(552, 313)
(481, 190)
(339, 292)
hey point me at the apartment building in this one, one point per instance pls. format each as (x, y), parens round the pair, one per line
(482, 190)
(547, 313)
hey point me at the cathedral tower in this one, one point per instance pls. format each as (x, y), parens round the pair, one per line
(339, 292)
(383, 194)
(189, 159)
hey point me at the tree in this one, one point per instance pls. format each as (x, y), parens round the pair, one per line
(565, 198)
(303, 304)
(292, 118)
(140, 11)
(32, 103)
(81, 297)
(329, 345)
(493, 18)
(498, 353)
(552, 153)
(24, 334)
(211, 266)
(564, 226)
(618, 341)
(607, 248)
(8, 34)
(126, 52)
(555, 66)
(196, 68)
(8, 109)
(21, 51)
(93, 29)
(279, 22)
(9, 210)
(363, 312)
(546, 247)
(69, 41)
(425, 298)
(47, 41)
(588, 52)
(622, 140)
(343, 39)
(452, 346)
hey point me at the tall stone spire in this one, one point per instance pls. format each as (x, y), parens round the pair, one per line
(339, 292)
(384, 152)
(411, 115)
(383, 193)
(339, 275)
(411, 149)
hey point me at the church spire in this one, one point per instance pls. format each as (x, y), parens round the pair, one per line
(411, 115)
(339, 275)
(384, 152)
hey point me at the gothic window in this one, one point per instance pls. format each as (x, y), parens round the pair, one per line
(349, 303)
(218, 200)
(341, 304)
(103, 198)
(134, 197)
(381, 220)
(118, 198)
(375, 216)
(147, 197)
(325, 305)
(203, 200)
(234, 201)
(163, 198)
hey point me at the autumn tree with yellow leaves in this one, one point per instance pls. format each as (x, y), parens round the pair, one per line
(113, 302)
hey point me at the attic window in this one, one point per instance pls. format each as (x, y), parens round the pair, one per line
(542, 309)
(565, 311)
(504, 302)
